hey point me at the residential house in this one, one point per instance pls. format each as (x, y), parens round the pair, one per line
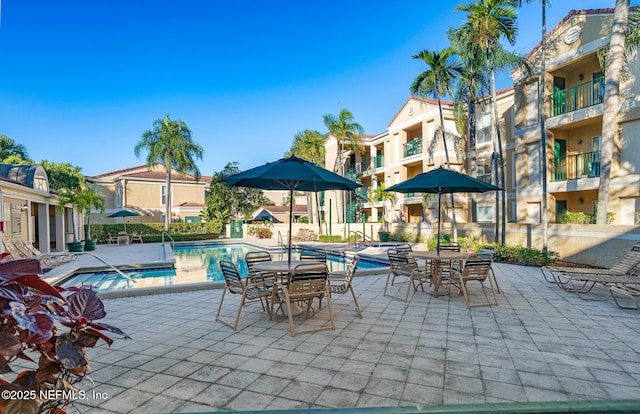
(144, 190)
(29, 209)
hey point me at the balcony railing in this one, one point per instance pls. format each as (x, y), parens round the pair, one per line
(379, 159)
(577, 97)
(413, 147)
(573, 167)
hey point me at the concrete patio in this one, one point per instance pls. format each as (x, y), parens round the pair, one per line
(540, 344)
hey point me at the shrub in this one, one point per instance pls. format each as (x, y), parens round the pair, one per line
(261, 229)
(584, 218)
(325, 238)
(100, 232)
(34, 314)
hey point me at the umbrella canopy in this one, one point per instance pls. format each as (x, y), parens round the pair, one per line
(124, 213)
(442, 181)
(292, 174)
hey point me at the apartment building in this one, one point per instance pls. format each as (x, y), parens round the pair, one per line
(413, 144)
(572, 111)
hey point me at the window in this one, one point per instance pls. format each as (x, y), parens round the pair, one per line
(16, 219)
(483, 170)
(533, 152)
(483, 128)
(484, 214)
(531, 91)
(163, 195)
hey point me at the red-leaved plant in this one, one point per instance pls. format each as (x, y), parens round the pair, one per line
(40, 325)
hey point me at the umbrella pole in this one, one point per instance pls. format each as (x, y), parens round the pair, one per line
(439, 223)
(290, 222)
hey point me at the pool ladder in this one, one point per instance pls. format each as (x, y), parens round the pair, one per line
(169, 237)
(130, 281)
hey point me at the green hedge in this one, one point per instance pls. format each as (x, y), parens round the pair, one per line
(329, 239)
(151, 232)
(504, 253)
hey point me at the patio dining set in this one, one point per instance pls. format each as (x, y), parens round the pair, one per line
(288, 286)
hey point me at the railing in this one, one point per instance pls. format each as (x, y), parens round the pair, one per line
(357, 236)
(573, 167)
(413, 147)
(169, 237)
(118, 271)
(577, 97)
(280, 241)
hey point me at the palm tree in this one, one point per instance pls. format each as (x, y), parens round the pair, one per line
(541, 117)
(615, 61)
(88, 200)
(437, 80)
(309, 145)
(170, 143)
(65, 197)
(9, 147)
(489, 21)
(347, 133)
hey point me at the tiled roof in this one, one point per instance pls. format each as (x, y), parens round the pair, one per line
(285, 209)
(190, 204)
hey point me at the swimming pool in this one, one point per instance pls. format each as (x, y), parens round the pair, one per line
(197, 263)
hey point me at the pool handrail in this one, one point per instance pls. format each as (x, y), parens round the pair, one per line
(129, 279)
(169, 236)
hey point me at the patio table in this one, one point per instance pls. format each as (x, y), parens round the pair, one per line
(283, 269)
(437, 258)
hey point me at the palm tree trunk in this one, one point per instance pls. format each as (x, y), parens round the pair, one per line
(500, 159)
(611, 98)
(167, 217)
(454, 227)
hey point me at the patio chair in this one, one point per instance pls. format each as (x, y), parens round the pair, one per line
(476, 269)
(314, 255)
(306, 283)
(581, 280)
(248, 290)
(341, 285)
(268, 279)
(489, 252)
(403, 266)
(112, 239)
(404, 248)
(136, 237)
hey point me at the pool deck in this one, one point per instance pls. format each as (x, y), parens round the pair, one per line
(540, 344)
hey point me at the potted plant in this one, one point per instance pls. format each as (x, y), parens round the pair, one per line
(44, 335)
(88, 199)
(66, 197)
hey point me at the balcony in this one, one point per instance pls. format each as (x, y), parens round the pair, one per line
(379, 158)
(574, 167)
(577, 97)
(413, 147)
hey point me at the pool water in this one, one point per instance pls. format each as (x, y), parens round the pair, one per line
(196, 264)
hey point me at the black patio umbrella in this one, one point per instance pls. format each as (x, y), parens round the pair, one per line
(292, 174)
(124, 213)
(442, 181)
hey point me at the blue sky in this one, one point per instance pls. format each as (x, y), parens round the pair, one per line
(81, 80)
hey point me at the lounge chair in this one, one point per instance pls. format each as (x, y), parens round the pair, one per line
(581, 280)
(19, 249)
